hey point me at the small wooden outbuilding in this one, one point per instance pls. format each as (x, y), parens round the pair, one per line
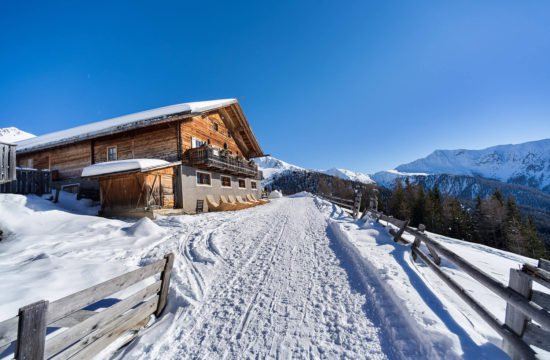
(135, 188)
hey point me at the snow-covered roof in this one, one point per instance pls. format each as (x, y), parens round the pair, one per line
(113, 167)
(120, 123)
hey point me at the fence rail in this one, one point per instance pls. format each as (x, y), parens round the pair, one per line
(28, 181)
(349, 204)
(527, 319)
(86, 332)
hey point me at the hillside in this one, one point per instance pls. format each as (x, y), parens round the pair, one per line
(273, 167)
(13, 135)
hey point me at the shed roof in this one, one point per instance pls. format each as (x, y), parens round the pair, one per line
(119, 124)
(124, 166)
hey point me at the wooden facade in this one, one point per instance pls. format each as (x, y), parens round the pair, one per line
(137, 191)
(167, 141)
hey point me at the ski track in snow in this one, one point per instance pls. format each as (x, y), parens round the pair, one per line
(266, 284)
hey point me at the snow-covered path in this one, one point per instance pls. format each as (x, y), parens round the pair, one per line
(263, 289)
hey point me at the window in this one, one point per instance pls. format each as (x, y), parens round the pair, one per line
(215, 126)
(226, 181)
(203, 179)
(242, 183)
(111, 153)
(253, 185)
(195, 143)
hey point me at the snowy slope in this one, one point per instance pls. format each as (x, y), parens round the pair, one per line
(12, 135)
(349, 175)
(296, 278)
(525, 164)
(271, 166)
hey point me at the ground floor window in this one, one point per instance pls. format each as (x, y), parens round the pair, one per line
(226, 181)
(242, 183)
(253, 185)
(203, 178)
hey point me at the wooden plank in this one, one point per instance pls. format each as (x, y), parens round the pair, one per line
(537, 274)
(398, 235)
(165, 278)
(31, 334)
(536, 336)
(69, 304)
(544, 264)
(100, 344)
(514, 319)
(77, 332)
(542, 299)
(515, 341)
(73, 319)
(8, 331)
(141, 312)
(434, 254)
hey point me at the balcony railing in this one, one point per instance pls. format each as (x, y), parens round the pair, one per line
(219, 160)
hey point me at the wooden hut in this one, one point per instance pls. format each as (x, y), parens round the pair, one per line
(135, 188)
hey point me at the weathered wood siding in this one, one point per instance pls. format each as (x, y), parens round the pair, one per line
(68, 160)
(156, 142)
(154, 189)
(203, 128)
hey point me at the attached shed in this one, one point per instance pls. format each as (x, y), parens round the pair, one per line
(7, 162)
(135, 188)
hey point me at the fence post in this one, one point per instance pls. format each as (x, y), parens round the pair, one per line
(31, 333)
(397, 236)
(515, 320)
(356, 205)
(165, 277)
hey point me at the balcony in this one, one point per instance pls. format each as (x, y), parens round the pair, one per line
(219, 160)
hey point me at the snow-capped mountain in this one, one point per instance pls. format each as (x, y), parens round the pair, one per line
(349, 175)
(524, 164)
(13, 135)
(271, 166)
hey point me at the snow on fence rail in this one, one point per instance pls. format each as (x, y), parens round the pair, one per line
(527, 319)
(86, 332)
(349, 204)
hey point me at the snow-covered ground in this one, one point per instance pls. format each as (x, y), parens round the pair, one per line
(295, 278)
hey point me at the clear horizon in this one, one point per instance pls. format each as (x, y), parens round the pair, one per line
(366, 86)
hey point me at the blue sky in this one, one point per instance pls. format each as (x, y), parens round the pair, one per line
(365, 85)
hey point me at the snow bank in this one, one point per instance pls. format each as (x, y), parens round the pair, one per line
(424, 307)
(275, 194)
(111, 167)
(48, 253)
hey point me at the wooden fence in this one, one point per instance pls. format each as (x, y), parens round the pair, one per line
(7, 162)
(349, 204)
(527, 319)
(77, 332)
(29, 181)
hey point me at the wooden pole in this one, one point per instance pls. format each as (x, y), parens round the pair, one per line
(31, 333)
(165, 277)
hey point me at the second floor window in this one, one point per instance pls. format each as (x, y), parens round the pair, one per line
(195, 143)
(111, 153)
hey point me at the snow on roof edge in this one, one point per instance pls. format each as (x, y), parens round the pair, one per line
(118, 124)
(121, 166)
